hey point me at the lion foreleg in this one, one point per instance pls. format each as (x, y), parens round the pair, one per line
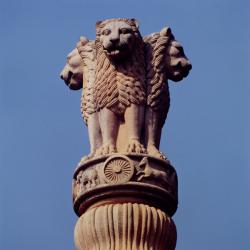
(109, 124)
(134, 117)
(153, 132)
(94, 130)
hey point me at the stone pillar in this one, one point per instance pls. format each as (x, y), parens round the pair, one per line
(125, 202)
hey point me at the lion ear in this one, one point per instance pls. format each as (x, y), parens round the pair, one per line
(84, 39)
(166, 31)
(136, 22)
(98, 23)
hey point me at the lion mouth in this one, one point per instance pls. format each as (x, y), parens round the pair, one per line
(113, 52)
(68, 80)
(178, 75)
(116, 50)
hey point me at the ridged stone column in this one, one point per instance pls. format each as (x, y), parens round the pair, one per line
(125, 226)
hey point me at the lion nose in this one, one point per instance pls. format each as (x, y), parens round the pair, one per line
(114, 40)
(183, 63)
(186, 64)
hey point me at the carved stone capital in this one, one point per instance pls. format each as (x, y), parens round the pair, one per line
(130, 178)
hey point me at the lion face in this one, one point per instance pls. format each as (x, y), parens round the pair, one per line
(117, 38)
(178, 66)
(72, 73)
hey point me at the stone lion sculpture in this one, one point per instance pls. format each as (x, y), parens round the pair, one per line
(77, 74)
(165, 59)
(119, 86)
(124, 77)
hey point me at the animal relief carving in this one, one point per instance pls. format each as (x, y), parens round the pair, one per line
(145, 171)
(86, 180)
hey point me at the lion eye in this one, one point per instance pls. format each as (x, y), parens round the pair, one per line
(106, 32)
(125, 31)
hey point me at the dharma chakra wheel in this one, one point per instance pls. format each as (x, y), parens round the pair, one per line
(118, 169)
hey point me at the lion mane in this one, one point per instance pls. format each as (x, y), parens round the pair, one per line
(117, 85)
(86, 50)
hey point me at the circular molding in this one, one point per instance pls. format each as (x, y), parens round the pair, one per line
(118, 169)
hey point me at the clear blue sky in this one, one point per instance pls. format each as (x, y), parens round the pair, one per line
(42, 135)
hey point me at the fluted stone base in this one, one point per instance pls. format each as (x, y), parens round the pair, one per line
(125, 226)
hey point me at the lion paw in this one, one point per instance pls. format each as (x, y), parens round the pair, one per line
(106, 149)
(86, 158)
(135, 146)
(152, 150)
(83, 159)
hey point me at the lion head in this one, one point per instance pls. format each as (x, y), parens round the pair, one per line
(72, 73)
(178, 65)
(117, 36)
